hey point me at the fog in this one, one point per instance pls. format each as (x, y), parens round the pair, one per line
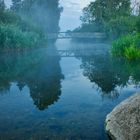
(8, 3)
(70, 18)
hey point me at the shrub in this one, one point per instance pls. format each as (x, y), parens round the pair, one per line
(8, 17)
(132, 53)
(127, 46)
(11, 37)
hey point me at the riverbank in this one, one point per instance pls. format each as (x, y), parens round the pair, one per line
(123, 123)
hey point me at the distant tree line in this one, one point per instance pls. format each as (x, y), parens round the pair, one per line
(118, 19)
(115, 17)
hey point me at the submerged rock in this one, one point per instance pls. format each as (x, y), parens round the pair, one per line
(123, 123)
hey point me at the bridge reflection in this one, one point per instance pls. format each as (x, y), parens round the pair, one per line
(76, 52)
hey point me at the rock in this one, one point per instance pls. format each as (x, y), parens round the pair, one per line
(123, 123)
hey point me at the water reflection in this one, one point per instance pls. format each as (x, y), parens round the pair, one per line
(31, 81)
(37, 70)
(107, 73)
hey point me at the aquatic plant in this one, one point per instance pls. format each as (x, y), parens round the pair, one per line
(132, 53)
(127, 46)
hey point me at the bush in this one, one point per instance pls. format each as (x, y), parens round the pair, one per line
(18, 33)
(127, 46)
(132, 53)
(12, 37)
(8, 17)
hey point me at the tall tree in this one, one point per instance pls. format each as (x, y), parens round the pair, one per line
(2, 5)
(104, 10)
(45, 13)
(16, 5)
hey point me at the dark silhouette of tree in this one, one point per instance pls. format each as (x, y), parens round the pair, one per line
(2, 5)
(16, 5)
(102, 11)
(40, 72)
(45, 13)
(107, 72)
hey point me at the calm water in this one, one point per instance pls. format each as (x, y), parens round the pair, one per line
(46, 95)
(63, 91)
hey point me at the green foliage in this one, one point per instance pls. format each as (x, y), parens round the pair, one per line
(138, 23)
(18, 33)
(127, 46)
(132, 53)
(89, 28)
(115, 17)
(44, 13)
(8, 17)
(121, 26)
(101, 11)
(11, 37)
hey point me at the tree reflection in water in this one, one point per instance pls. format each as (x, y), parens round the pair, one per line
(37, 70)
(109, 74)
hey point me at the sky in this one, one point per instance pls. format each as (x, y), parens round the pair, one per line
(8, 2)
(70, 18)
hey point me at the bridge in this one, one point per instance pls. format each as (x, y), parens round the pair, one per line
(77, 35)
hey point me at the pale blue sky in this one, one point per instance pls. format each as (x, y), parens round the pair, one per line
(70, 18)
(8, 2)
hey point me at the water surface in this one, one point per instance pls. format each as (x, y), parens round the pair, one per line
(65, 90)
(51, 96)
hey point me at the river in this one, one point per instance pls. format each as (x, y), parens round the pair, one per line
(49, 95)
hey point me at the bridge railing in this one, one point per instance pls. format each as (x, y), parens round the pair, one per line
(64, 35)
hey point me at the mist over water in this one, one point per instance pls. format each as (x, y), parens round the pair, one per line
(62, 91)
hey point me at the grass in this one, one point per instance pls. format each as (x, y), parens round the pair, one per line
(132, 53)
(127, 46)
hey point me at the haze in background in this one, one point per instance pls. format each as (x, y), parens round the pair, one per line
(72, 10)
(8, 3)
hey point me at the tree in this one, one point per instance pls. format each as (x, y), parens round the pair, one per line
(45, 13)
(16, 5)
(2, 5)
(102, 11)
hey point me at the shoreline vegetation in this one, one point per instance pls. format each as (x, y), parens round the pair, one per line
(17, 33)
(120, 20)
(23, 26)
(127, 46)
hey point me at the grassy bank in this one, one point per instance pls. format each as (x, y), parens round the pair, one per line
(127, 46)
